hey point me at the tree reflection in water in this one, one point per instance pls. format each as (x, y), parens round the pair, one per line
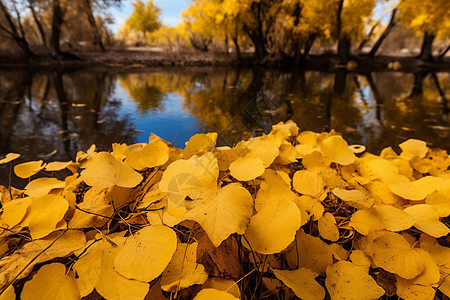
(68, 111)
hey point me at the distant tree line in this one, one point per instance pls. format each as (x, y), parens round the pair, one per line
(289, 28)
(280, 29)
(46, 24)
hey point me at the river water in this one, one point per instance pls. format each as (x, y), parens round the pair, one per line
(53, 114)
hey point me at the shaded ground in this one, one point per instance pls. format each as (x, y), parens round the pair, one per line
(150, 57)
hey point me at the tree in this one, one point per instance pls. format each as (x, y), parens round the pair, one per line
(428, 18)
(13, 26)
(350, 21)
(385, 33)
(145, 17)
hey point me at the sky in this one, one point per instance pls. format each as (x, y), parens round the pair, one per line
(170, 12)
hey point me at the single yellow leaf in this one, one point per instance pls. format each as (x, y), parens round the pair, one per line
(120, 151)
(104, 170)
(309, 182)
(225, 157)
(42, 186)
(359, 258)
(364, 221)
(226, 213)
(302, 282)
(407, 290)
(381, 192)
(349, 281)
(195, 178)
(135, 157)
(316, 161)
(247, 168)
(288, 154)
(8, 294)
(51, 282)
(155, 154)
(392, 252)
(339, 252)
(28, 169)
(264, 149)
(417, 190)
(287, 129)
(353, 197)
(440, 202)
(147, 253)
(273, 228)
(272, 188)
(44, 214)
(15, 210)
(222, 284)
(392, 218)
(430, 274)
(413, 147)
(57, 165)
(374, 167)
(427, 220)
(208, 294)
(336, 148)
(310, 252)
(9, 157)
(327, 227)
(199, 144)
(95, 269)
(183, 270)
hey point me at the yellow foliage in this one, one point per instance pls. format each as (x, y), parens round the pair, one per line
(302, 282)
(51, 282)
(225, 213)
(295, 204)
(346, 280)
(9, 157)
(183, 270)
(104, 170)
(147, 253)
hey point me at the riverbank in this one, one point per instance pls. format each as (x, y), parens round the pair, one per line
(136, 58)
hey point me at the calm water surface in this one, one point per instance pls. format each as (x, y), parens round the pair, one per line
(62, 112)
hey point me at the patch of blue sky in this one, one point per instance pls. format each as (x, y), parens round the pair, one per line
(170, 12)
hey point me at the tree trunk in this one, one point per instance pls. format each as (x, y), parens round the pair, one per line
(57, 21)
(367, 38)
(14, 32)
(338, 18)
(384, 34)
(343, 41)
(442, 53)
(257, 35)
(344, 50)
(426, 53)
(226, 45)
(309, 44)
(97, 36)
(238, 49)
(38, 23)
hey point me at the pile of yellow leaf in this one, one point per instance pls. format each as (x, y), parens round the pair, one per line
(282, 215)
